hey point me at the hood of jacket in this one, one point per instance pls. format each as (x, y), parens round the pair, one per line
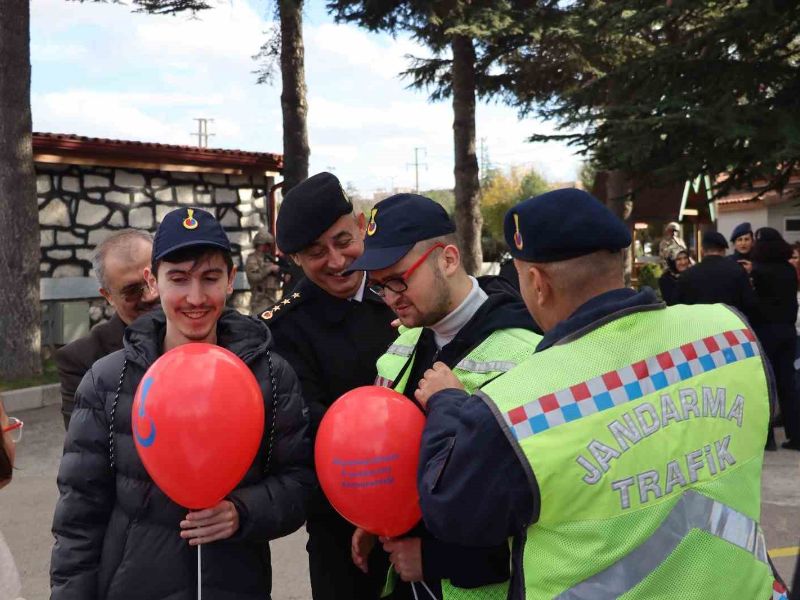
(246, 337)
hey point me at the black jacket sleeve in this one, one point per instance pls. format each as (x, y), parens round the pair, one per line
(86, 487)
(72, 366)
(473, 489)
(465, 567)
(748, 298)
(276, 506)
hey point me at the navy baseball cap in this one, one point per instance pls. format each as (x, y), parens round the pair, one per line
(184, 227)
(562, 224)
(395, 225)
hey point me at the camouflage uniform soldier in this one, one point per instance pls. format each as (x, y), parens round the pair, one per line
(263, 273)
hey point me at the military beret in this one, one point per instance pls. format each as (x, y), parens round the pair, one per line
(395, 225)
(310, 208)
(740, 230)
(562, 224)
(184, 227)
(714, 239)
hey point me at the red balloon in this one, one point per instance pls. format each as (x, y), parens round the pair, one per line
(366, 454)
(197, 420)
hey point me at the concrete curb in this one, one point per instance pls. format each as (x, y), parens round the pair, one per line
(30, 398)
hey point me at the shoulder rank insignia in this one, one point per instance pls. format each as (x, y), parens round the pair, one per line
(273, 310)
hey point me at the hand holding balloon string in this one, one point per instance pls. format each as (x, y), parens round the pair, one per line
(439, 377)
(406, 556)
(210, 525)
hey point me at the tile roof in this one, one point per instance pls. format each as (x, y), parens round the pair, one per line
(103, 149)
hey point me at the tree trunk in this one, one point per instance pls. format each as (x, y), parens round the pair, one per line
(293, 94)
(620, 203)
(20, 314)
(468, 217)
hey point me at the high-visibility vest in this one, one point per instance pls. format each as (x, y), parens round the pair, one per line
(498, 353)
(643, 440)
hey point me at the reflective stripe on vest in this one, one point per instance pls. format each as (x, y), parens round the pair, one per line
(693, 511)
(492, 366)
(631, 382)
(400, 350)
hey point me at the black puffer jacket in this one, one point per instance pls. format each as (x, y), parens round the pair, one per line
(117, 535)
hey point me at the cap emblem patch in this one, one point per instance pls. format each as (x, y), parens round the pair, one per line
(190, 222)
(517, 235)
(373, 226)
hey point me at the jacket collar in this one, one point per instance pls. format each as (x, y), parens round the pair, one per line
(247, 338)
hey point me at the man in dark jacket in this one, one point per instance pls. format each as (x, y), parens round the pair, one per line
(413, 261)
(118, 262)
(717, 279)
(331, 330)
(118, 536)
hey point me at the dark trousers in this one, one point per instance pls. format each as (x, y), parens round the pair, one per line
(779, 341)
(333, 574)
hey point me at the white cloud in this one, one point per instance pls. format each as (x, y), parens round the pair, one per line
(101, 115)
(346, 45)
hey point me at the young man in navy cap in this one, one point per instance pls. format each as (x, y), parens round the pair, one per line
(742, 238)
(331, 329)
(118, 536)
(480, 328)
(623, 458)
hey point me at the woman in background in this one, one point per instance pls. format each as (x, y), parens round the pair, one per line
(775, 283)
(677, 263)
(11, 430)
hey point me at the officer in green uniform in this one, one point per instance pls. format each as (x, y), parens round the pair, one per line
(478, 327)
(621, 460)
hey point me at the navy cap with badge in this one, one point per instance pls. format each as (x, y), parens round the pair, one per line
(184, 227)
(395, 225)
(740, 230)
(308, 210)
(562, 224)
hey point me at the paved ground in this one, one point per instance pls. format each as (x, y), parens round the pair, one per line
(26, 509)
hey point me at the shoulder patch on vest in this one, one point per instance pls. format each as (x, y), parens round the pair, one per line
(282, 307)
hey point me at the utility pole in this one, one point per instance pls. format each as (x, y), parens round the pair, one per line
(202, 132)
(416, 164)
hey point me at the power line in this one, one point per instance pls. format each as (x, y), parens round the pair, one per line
(416, 164)
(202, 132)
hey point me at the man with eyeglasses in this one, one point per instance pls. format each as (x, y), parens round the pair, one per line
(478, 327)
(118, 262)
(331, 329)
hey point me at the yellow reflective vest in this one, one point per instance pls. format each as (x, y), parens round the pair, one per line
(643, 440)
(500, 352)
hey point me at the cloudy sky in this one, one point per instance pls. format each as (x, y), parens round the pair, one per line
(99, 70)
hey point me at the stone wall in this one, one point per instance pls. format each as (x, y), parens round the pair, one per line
(80, 205)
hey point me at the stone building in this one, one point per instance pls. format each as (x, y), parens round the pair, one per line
(89, 187)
